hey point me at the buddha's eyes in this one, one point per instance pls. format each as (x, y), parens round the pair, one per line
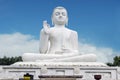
(57, 13)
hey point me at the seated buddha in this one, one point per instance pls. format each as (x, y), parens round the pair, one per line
(58, 43)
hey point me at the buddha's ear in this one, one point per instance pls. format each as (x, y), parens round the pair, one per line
(66, 23)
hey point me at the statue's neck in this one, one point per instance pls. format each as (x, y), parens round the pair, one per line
(59, 26)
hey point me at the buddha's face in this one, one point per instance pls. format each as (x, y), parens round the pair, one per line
(60, 16)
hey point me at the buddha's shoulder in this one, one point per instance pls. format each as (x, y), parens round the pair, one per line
(72, 31)
(64, 29)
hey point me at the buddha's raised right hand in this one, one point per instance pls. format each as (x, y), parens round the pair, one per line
(46, 27)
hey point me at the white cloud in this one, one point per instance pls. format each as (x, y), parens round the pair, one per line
(103, 54)
(17, 43)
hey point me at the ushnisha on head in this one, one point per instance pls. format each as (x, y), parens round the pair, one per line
(60, 16)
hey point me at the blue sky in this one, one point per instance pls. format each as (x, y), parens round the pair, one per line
(96, 21)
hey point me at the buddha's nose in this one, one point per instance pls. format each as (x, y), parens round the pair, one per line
(60, 16)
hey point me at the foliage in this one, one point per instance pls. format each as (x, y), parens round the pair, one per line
(116, 61)
(9, 60)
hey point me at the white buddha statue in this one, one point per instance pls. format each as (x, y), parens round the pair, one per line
(58, 43)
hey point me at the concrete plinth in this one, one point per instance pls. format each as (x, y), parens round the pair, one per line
(87, 72)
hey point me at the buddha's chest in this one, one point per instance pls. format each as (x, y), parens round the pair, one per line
(60, 35)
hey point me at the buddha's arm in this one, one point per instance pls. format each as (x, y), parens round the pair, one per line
(44, 42)
(74, 40)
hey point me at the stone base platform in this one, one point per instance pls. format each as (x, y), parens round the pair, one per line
(85, 69)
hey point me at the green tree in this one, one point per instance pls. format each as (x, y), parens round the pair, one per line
(110, 64)
(9, 60)
(116, 61)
